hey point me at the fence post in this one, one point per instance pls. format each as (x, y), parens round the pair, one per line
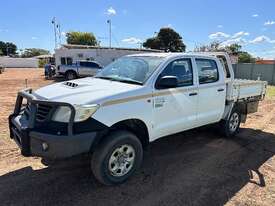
(252, 71)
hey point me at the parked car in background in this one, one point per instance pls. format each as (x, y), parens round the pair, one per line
(2, 69)
(133, 101)
(79, 69)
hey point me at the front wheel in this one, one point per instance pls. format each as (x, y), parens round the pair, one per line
(116, 158)
(69, 75)
(230, 127)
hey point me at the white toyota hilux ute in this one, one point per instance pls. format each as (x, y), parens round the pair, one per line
(130, 103)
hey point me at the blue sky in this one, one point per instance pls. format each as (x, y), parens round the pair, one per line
(248, 22)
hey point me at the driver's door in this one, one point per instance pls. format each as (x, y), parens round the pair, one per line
(175, 109)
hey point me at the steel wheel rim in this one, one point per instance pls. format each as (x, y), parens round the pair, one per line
(121, 160)
(233, 122)
(70, 76)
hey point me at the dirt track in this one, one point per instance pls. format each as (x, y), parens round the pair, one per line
(198, 167)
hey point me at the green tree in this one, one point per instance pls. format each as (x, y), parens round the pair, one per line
(234, 48)
(81, 38)
(32, 52)
(167, 39)
(7, 48)
(245, 57)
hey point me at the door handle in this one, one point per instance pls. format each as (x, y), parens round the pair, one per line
(193, 94)
(220, 90)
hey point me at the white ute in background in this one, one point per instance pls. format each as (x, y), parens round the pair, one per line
(130, 103)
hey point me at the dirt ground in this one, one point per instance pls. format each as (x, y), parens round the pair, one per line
(197, 167)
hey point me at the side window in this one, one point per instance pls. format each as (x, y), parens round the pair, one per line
(181, 68)
(93, 65)
(207, 70)
(82, 64)
(63, 60)
(66, 61)
(69, 61)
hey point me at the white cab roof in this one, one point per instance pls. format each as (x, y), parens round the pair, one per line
(171, 55)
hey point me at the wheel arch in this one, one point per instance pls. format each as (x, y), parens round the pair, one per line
(136, 126)
(71, 70)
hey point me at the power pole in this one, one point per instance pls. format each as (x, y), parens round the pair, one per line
(54, 27)
(110, 32)
(59, 33)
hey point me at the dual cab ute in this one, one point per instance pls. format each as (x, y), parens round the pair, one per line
(130, 103)
(79, 69)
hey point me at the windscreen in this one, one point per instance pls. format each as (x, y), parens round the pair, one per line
(131, 68)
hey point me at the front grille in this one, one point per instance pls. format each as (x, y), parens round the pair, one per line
(43, 112)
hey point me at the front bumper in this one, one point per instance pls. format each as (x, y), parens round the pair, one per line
(36, 141)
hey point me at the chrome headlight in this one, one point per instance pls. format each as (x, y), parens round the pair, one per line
(82, 112)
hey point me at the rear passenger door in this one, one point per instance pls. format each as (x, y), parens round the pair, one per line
(211, 90)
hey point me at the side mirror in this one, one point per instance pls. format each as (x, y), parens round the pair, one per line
(167, 82)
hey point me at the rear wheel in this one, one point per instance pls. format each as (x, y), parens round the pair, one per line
(70, 75)
(230, 127)
(116, 158)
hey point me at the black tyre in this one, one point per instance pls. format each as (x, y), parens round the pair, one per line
(230, 127)
(116, 158)
(69, 75)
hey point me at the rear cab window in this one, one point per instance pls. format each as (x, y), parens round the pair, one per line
(224, 65)
(207, 70)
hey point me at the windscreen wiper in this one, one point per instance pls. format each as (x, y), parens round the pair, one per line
(130, 81)
(108, 78)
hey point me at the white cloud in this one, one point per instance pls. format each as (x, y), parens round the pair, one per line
(111, 11)
(132, 40)
(239, 34)
(268, 23)
(219, 35)
(34, 38)
(255, 15)
(261, 39)
(233, 41)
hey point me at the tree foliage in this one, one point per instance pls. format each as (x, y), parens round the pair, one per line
(245, 57)
(7, 48)
(167, 39)
(32, 52)
(234, 49)
(212, 47)
(81, 38)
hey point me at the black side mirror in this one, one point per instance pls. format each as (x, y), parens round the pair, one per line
(167, 82)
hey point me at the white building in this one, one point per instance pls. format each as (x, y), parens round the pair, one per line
(69, 53)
